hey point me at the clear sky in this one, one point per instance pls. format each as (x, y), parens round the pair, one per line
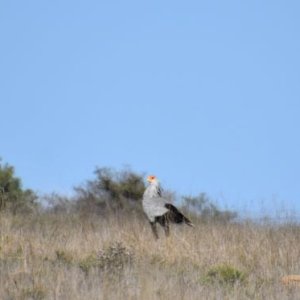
(203, 94)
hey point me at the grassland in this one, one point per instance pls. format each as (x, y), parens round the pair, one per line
(71, 256)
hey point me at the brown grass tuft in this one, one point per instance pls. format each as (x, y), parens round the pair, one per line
(291, 280)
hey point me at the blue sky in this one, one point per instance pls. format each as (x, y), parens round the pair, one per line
(204, 94)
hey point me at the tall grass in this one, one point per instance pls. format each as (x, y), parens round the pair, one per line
(71, 256)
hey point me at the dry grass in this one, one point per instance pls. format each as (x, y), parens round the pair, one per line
(74, 257)
(291, 280)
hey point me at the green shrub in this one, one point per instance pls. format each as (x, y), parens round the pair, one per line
(110, 191)
(13, 197)
(89, 262)
(224, 274)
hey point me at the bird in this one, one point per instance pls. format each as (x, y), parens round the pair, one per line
(159, 209)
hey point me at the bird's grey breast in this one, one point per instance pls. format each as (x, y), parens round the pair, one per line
(154, 207)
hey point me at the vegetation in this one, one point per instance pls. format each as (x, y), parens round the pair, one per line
(98, 245)
(204, 208)
(69, 256)
(110, 191)
(224, 274)
(13, 197)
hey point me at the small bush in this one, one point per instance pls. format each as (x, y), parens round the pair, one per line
(64, 257)
(13, 198)
(110, 191)
(224, 274)
(113, 258)
(89, 262)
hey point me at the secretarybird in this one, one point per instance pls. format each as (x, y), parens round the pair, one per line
(160, 210)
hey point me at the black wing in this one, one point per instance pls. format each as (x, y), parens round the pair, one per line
(174, 215)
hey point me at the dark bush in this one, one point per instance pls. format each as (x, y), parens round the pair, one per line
(13, 197)
(111, 191)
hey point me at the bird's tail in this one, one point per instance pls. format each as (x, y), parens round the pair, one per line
(176, 216)
(188, 221)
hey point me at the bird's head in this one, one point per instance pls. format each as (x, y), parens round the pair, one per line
(151, 179)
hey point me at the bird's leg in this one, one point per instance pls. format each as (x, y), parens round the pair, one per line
(154, 229)
(164, 222)
(167, 229)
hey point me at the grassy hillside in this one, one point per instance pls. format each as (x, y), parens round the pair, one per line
(70, 256)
